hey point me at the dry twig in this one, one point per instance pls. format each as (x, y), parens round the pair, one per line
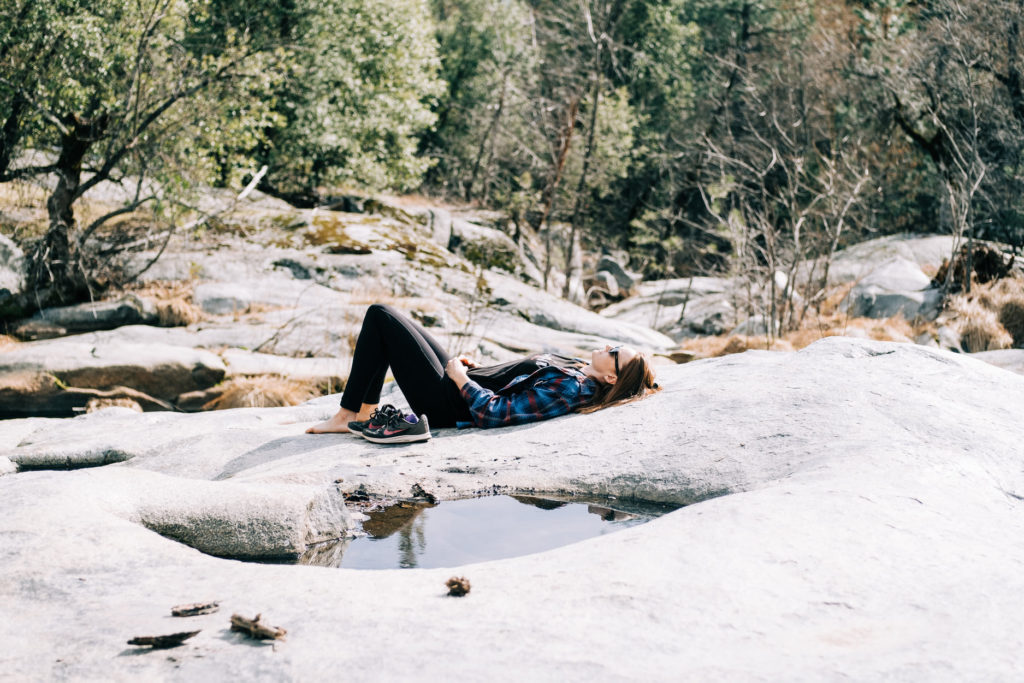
(163, 642)
(195, 609)
(254, 629)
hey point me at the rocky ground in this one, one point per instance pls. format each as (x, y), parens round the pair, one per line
(262, 307)
(852, 509)
(858, 505)
(281, 293)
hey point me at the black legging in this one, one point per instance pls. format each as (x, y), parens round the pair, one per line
(389, 339)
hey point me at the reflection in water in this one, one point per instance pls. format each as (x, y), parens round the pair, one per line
(472, 530)
(386, 521)
(542, 503)
(326, 554)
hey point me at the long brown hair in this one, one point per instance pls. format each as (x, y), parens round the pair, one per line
(636, 380)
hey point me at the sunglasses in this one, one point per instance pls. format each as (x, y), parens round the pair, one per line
(614, 353)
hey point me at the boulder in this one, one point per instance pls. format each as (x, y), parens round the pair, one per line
(945, 337)
(242, 362)
(226, 519)
(440, 223)
(608, 283)
(753, 326)
(490, 248)
(1007, 359)
(852, 500)
(896, 287)
(12, 271)
(857, 261)
(510, 296)
(624, 278)
(680, 308)
(55, 377)
(230, 298)
(87, 317)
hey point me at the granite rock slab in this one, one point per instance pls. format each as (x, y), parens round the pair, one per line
(853, 513)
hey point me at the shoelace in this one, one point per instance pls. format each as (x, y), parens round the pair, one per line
(384, 413)
(398, 419)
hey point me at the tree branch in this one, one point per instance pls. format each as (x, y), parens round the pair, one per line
(128, 208)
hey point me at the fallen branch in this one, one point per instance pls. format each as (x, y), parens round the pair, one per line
(254, 629)
(195, 609)
(163, 642)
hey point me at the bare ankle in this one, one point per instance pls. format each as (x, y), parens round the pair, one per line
(365, 411)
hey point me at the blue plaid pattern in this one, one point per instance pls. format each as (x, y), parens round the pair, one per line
(548, 392)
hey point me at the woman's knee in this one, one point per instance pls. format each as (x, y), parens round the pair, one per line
(379, 310)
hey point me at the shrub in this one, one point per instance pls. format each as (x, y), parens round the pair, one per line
(177, 312)
(262, 392)
(1011, 317)
(987, 264)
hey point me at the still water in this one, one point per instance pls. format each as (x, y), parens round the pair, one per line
(474, 530)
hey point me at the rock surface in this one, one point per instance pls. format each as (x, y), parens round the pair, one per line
(888, 272)
(37, 378)
(1008, 359)
(12, 270)
(895, 287)
(860, 502)
(680, 308)
(288, 299)
(859, 260)
(98, 315)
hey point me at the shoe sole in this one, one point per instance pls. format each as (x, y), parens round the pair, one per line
(399, 438)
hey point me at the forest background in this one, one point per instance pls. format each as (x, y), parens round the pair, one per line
(691, 136)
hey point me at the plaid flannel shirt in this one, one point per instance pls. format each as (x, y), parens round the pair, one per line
(549, 392)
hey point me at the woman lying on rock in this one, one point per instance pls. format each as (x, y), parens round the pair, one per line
(447, 392)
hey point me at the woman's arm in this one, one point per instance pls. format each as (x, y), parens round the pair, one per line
(456, 369)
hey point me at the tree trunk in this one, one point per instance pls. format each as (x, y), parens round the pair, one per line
(56, 273)
(495, 120)
(556, 176)
(581, 186)
(10, 133)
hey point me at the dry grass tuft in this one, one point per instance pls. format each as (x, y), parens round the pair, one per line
(985, 298)
(174, 307)
(895, 329)
(991, 317)
(7, 343)
(978, 326)
(805, 337)
(177, 312)
(262, 392)
(1008, 287)
(97, 404)
(830, 305)
(712, 347)
(1011, 317)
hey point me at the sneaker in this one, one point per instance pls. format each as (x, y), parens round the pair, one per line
(378, 418)
(400, 429)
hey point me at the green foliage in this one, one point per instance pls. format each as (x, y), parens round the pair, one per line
(358, 92)
(488, 65)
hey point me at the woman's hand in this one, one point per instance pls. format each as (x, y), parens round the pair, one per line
(457, 371)
(469, 362)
